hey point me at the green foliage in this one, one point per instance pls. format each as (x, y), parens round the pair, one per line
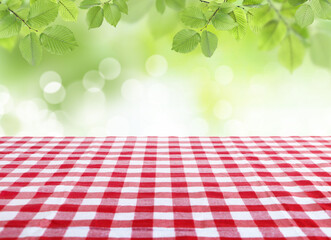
(42, 13)
(304, 16)
(186, 41)
(85, 4)
(193, 17)
(320, 50)
(122, 6)
(296, 2)
(31, 49)
(272, 34)
(239, 16)
(278, 23)
(58, 40)
(223, 21)
(112, 14)
(160, 6)
(208, 43)
(252, 2)
(291, 52)
(68, 10)
(94, 17)
(9, 26)
(176, 4)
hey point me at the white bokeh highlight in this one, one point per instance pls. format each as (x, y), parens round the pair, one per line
(93, 81)
(110, 68)
(156, 65)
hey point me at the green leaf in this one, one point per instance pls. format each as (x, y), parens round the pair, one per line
(122, 6)
(112, 14)
(317, 8)
(302, 32)
(223, 22)
(239, 16)
(186, 41)
(291, 52)
(94, 17)
(193, 17)
(9, 25)
(68, 10)
(3, 7)
(272, 34)
(42, 13)
(296, 2)
(58, 40)
(14, 4)
(226, 7)
(208, 43)
(160, 6)
(31, 49)
(258, 17)
(176, 4)
(89, 3)
(23, 13)
(325, 9)
(320, 50)
(304, 16)
(252, 2)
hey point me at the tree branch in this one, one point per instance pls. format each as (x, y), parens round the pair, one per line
(209, 20)
(21, 19)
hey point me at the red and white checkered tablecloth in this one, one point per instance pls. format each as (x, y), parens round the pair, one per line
(165, 188)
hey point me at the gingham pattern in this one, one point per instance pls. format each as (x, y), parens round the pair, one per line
(165, 188)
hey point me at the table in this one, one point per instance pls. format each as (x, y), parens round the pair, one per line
(165, 187)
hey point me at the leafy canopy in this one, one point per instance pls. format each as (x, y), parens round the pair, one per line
(282, 24)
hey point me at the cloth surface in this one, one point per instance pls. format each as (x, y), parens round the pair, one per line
(165, 188)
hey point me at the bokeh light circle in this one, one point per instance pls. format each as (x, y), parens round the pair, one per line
(224, 75)
(55, 97)
(110, 68)
(49, 77)
(93, 81)
(52, 87)
(156, 65)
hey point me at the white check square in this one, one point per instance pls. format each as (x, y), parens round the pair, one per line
(163, 202)
(241, 216)
(207, 232)
(202, 216)
(250, 232)
(199, 201)
(291, 232)
(6, 216)
(91, 201)
(32, 232)
(234, 201)
(85, 216)
(124, 216)
(318, 215)
(77, 232)
(120, 233)
(275, 215)
(164, 215)
(127, 202)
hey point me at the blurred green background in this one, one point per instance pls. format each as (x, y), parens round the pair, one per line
(127, 81)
